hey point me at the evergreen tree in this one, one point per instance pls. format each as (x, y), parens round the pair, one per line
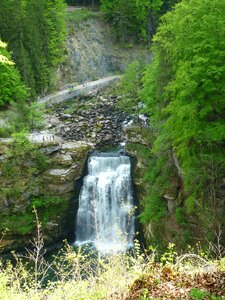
(135, 18)
(35, 32)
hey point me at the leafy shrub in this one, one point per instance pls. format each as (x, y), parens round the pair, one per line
(24, 116)
(130, 87)
(48, 208)
(26, 158)
(155, 209)
(197, 294)
(40, 202)
(11, 87)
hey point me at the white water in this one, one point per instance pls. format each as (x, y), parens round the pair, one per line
(105, 215)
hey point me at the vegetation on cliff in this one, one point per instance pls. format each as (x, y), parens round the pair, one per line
(184, 94)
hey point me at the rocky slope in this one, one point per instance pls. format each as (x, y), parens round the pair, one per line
(93, 53)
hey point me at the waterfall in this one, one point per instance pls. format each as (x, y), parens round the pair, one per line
(105, 214)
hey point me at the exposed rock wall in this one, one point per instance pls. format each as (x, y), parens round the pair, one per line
(92, 53)
(65, 165)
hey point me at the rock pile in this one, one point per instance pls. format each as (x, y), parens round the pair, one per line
(96, 120)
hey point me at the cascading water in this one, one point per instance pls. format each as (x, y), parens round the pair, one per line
(105, 214)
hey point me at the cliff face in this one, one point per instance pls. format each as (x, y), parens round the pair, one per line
(50, 189)
(92, 53)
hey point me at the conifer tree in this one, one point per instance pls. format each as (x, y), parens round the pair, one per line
(35, 31)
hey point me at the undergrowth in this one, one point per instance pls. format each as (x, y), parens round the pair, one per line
(78, 274)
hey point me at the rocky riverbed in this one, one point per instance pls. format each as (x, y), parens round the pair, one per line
(93, 119)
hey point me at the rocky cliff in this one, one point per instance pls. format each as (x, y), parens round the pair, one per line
(49, 189)
(93, 53)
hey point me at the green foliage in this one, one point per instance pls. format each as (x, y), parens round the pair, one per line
(3, 58)
(154, 209)
(26, 159)
(18, 223)
(11, 87)
(35, 32)
(122, 15)
(190, 203)
(136, 19)
(80, 15)
(142, 152)
(158, 178)
(48, 209)
(130, 82)
(197, 294)
(41, 202)
(21, 114)
(180, 216)
(82, 2)
(24, 116)
(184, 93)
(169, 256)
(130, 86)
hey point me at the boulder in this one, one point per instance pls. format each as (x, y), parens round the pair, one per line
(61, 175)
(61, 159)
(5, 144)
(44, 139)
(61, 189)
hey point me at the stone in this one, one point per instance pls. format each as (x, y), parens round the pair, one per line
(44, 139)
(66, 116)
(26, 196)
(61, 189)
(61, 175)
(171, 204)
(6, 243)
(5, 144)
(62, 159)
(108, 137)
(51, 149)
